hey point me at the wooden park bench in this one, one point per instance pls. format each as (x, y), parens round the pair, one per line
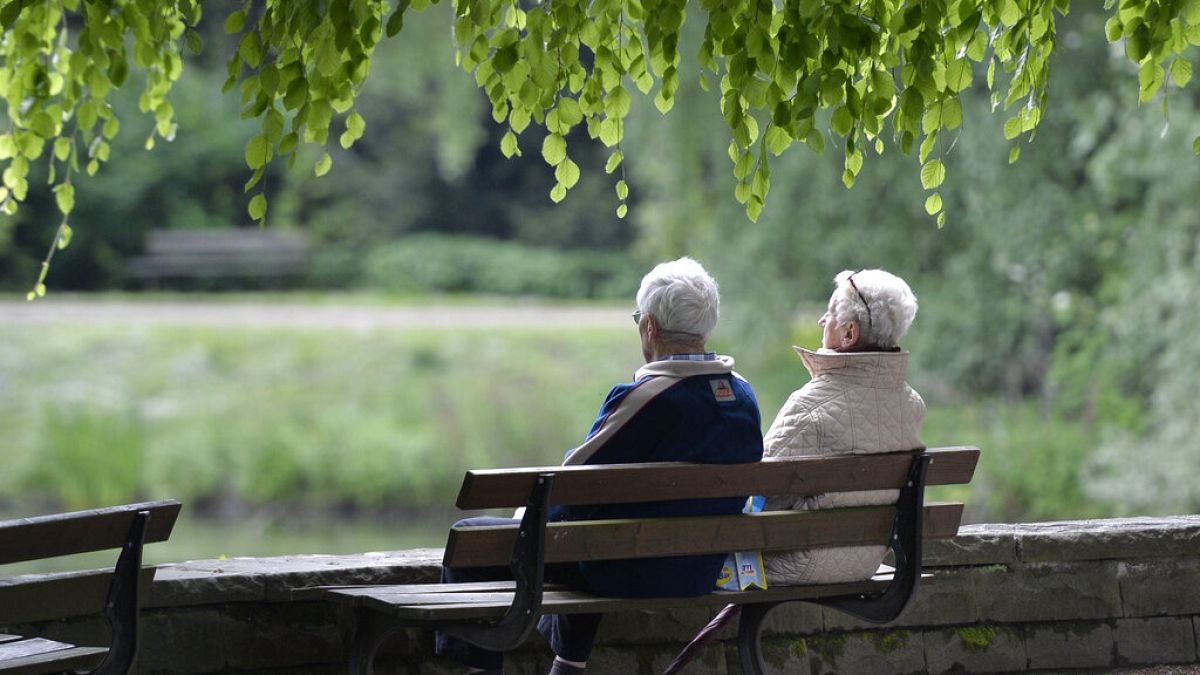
(500, 615)
(174, 256)
(125, 527)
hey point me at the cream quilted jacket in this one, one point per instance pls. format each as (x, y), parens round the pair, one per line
(856, 403)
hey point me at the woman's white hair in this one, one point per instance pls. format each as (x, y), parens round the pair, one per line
(892, 305)
(682, 297)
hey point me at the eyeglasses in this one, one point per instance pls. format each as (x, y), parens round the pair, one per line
(853, 285)
(637, 317)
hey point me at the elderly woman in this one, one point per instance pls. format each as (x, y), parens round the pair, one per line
(686, 404)
(857, 402)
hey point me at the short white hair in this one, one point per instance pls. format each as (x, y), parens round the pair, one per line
(682, 297)
(892, 305)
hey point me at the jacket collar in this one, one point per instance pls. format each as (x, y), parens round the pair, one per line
(879, 370)
(680, 369)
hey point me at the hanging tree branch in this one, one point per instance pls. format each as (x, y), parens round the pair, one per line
(872, 73)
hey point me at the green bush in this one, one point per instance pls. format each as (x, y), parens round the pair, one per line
(462, 264)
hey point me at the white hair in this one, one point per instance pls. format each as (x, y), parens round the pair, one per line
(682, 297)
(891, 302)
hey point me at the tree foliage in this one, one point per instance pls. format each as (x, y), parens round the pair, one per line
(865, 73)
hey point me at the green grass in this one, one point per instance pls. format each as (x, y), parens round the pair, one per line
(256, 420)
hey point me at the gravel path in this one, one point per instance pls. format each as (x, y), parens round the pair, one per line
(291, 314)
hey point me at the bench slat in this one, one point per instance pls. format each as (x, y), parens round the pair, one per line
(625, 483)
(37, 655)
(657, 537)
(402, 606)
(81, 531)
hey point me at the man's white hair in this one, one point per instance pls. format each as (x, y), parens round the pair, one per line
(892, 305)
(682, 297)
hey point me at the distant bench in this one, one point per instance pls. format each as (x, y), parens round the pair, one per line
(125, 527)
(500, 615)
(213, 255)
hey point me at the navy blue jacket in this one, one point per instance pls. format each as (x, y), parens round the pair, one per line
(675, 411)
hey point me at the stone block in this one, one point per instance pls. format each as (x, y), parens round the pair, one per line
(238, 637)
(711, 661)
(254, 579)
(1108, 539)
(679, 625)
(1047, 592)
(613, 660)
(975, 649)
(1155, 641)
(1165, 587)
(1069, 644)
(868, 653)
(794, 619)
(946, 599)
(784, 655)
(974, 545)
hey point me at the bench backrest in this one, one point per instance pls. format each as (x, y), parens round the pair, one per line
(82, 531)
(642, 538)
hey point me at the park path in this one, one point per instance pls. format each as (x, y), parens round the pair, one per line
(296, 314)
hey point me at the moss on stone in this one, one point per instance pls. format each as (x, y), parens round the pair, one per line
(976, 638)
(799, 647)
(889, 641)
(830, 646)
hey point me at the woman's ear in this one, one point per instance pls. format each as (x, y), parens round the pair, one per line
(849, 336)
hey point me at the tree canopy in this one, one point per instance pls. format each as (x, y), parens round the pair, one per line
(867, 74)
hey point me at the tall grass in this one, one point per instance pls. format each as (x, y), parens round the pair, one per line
(231, 419)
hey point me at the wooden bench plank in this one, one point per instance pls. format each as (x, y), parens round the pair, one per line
(657, 537)
(625, 483)
(81, 531)
(406, 607)
(37, 655)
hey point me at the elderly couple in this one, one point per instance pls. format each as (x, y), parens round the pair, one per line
(687, 404)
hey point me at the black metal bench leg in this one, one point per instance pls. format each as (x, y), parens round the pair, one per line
(906, 545)
(371, 629)
(750, 637)
(121, 608)
(528, 566)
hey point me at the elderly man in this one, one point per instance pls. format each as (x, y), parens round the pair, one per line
(686, 404)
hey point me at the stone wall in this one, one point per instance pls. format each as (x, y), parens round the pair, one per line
(1044, 596)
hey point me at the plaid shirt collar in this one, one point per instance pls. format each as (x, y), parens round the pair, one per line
(706, 356)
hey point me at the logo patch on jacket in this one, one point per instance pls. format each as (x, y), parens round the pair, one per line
(721, 390)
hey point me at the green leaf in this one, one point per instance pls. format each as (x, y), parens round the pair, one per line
(622, 210)
(258, 152)
(933, 203)
(567, 173)
(569, 112)
(1112, 29)
(1150, 78)
(622, 190)
(235, 22)
(64, 238)
(508, 144)
(64, 196)
(558, 193)
(355, 124)
(1012, 127)
(62, 148)
(1181, 71)
(933, 174)
(614, 161)
(554, 149)
(1196, 145)
(323, 165)
(958, 75)
(843, 120)
(617, 103)
(1014, 154)
(258, 207)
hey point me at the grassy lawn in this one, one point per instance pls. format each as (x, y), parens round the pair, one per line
(256, 424)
